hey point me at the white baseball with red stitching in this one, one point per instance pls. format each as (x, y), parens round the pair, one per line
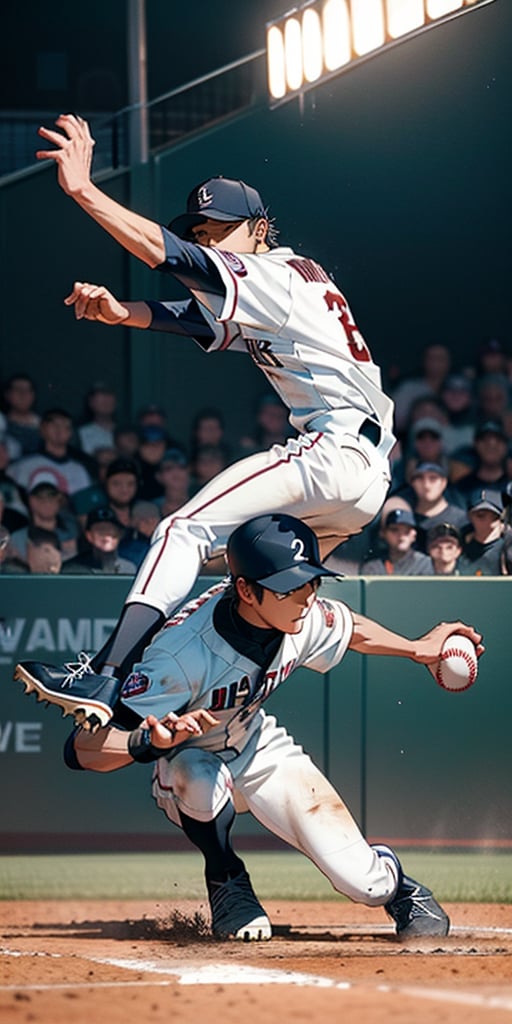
(458, 665)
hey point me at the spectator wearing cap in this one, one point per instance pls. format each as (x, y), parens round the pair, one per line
(400, 557)
(490, 447)
(492, 357)
(482, 554)
(174, 477)
(457, 396)
(22, 420)
(55, 454)
(48, 510)
(444, 546)
(97, 430)
(348, 557)
(153, 444)
(135, 542)
(493, 392)
(152, 415)
(425, 444)
(103, 533)
(429, 482)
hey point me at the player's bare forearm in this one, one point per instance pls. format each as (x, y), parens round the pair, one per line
(138, 235)
(369, 637)
(73, 152)
(95, 302)
(109, 749)
(103, 751)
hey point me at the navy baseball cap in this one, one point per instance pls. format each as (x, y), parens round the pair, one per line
(277, 551)
(400, 515)
(219, 199)
(103, 515)
(486, 499)
(491, 427)
(121, 465)
(175, 457)
(443, 531)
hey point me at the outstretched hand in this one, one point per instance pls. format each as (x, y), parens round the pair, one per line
(173, 729)
(73, 154)
(95, 302)
(428, 647)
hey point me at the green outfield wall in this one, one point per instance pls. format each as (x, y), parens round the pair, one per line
(413, 762)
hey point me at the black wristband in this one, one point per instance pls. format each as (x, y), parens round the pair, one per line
(141, 748)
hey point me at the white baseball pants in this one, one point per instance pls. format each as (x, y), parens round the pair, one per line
(279, 784)
(335, 480)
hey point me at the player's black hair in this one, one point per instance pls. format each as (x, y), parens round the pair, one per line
(256, 588)
(271, 237)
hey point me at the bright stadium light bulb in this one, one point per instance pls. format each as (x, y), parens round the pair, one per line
(293, 53)
(438, 8)
(311, 45)
(276, 73)
(404, 16)
(319, 38)
(368, 30)
(336, 34)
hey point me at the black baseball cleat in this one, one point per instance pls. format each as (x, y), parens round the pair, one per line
(413, 908)
(74, 687)
(416, 913)
(236, 912)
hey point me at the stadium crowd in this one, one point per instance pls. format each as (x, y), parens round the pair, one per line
(85, 497)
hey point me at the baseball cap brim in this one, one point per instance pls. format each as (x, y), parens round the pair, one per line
(486, 506)
(294, 577)
(183, 224)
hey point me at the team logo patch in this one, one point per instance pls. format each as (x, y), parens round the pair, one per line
(204, 198)
(234, 263)
(136, 684)
(328, 612)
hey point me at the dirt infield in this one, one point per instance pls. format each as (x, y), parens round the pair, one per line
(84, 962)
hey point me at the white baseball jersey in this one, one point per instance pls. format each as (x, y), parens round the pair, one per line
(190, 665)
(248, 759)
(285, 311)
(298, 328)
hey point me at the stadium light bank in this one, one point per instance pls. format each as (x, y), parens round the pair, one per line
(324, 38)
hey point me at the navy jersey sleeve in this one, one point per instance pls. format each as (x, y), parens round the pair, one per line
(183, 318)
(189, 263)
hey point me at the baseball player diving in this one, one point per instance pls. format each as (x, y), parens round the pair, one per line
(246, 294)
(197, 696)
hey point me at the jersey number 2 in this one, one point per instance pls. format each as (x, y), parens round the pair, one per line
(358, 349)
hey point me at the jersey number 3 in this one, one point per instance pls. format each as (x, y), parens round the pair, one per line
(358, 349)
